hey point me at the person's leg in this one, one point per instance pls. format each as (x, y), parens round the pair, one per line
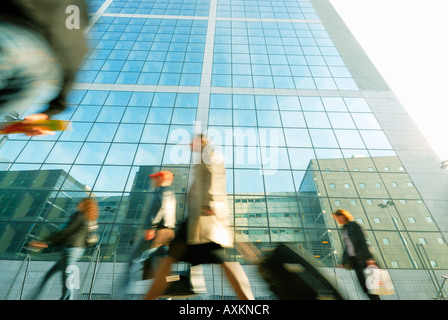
(359, 270)
(238, 280)
(69, 282)
(133, 266)
(56, 267)
(160, 284)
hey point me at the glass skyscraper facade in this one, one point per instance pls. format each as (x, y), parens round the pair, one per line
(305, 123)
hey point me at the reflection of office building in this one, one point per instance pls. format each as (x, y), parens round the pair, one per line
(286, 90)
(383, 199)
(27, 198)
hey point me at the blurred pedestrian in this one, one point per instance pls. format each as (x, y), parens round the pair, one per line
(74, 239)
(201, 239)
(41, 41)
(158, 231)
(357, 255)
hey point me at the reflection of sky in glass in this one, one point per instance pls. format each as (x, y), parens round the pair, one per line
(112, 178)
(128, 133)
(349, 139)
(149, 154)
(278, 181)
(84, 174)
(10, 150)
(64, 152)
(35, 151)
(93, 153)
(248, 181)
(300, 158)
(102, 132)
(121, 153)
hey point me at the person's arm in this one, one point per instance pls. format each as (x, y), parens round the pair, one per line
(360, 243)
(206, 184)
(73, 226)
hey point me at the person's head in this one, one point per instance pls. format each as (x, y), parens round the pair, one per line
(162, 178)
(199, 142)
(342, 216)
(89, 207)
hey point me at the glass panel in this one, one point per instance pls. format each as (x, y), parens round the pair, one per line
(323, 138)
(317, 120)
(92, 153)
(244, 118)
(102, 132)
(248, 181)
(35, 152)
(121, 154)
(349, 139)
(112, 178)
(297, 138)
(293, 119)
(220, 117)
(375, 139)
(149, 154)
(64, 152)
(160, 115)
(341, 120)
(128, 133)
(135, 115)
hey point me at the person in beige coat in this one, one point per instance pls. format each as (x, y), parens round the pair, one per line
(201, 239)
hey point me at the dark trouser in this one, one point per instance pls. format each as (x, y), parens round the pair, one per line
(359, 266)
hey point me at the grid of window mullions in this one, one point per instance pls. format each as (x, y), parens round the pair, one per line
(277, 55)
(145, 51)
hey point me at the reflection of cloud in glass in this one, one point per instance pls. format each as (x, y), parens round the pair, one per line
(349, 139)
(141, 99)
(111, 114)
(293, 119)
(128, 133)
(297, 138)
(149, 154)
(341, 120)
(86, 113)
(160, 115)
(35, 151)
(10, 150)
(317, 120)
(112, 178)
(93, 153)
(375, 139)
(84, 174)
(102, 132)
(183, 116)
(135, 115)
(64, 152)
(95, 97)
(323, 138)
(78, 132)
(121, 153)
(154, 134)
(365, 121)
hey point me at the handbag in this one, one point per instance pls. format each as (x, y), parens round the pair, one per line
(92, 234)
(187, 283)
(378, 281)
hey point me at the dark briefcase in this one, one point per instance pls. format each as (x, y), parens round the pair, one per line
(291, 277)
